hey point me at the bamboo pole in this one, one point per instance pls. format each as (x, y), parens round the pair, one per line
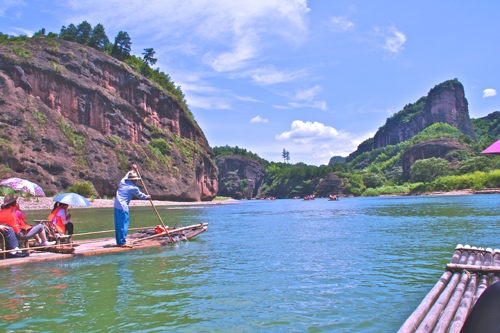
(34, 248)
(152, 204)
(106, 231)
(496, 262)
(473, 268)
(411, 324)
(464, 307)
(430, 320)
(171, 232)
(483, 284)
(452, 305)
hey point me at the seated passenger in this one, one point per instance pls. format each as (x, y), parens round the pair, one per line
(61, 219)
(11, 215)
(11, 242)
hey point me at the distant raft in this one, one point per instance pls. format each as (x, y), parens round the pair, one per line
(446, 306)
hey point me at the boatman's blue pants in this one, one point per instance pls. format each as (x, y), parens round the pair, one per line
(121, 226)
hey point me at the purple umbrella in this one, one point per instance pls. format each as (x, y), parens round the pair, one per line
(493, 149)
(23, 185)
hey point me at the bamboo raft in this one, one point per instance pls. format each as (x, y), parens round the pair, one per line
(91, 247)
(447, 305)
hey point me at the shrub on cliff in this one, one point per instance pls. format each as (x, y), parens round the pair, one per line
(85, 189)
(478, 163)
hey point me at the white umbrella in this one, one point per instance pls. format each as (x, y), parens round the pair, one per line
(72, 199)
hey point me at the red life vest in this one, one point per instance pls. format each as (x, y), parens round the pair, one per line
(8, 217)
(60, 227)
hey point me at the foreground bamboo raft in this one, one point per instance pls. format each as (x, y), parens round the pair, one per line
(90, 247)
(447, 305)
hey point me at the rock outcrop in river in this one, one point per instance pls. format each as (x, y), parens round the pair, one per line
(71, 113)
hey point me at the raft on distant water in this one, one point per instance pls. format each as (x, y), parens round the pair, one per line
(446, 306)
(141, 239)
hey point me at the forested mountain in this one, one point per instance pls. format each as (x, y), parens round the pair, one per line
(429, 145)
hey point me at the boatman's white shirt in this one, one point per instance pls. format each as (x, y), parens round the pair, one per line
(125, 193)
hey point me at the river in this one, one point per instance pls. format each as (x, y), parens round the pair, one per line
(356, 265)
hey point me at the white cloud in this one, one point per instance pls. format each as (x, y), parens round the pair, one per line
(489, 93)
(229, 33)
(258, 119)
(340, 24)
(266, 76)
(281, 107)
(247, 99)
(315, 105)
(394, 40)
(209, 102)
(308, 94)
(318, 142)
(305, 132)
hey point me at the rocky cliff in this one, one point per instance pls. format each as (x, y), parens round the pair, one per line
(438, 148)
(445, 103)
(240, 177)
(71, 113)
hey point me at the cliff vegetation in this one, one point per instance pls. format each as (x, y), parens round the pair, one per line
(75, 108)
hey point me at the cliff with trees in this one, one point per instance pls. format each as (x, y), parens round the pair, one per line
(76, 107)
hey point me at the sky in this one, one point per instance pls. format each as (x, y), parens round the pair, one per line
(313, 77)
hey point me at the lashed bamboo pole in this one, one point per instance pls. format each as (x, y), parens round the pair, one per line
(430, 320)
(411, 324)
(473, 268)
(467, 301)
(106, 231)
(452, 306)
(496, 262)
(483, 281)
(171, 232)
(464, 307)
(35, 248)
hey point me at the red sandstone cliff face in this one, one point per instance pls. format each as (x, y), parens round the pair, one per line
(233, 169)
(114, 113)
(445, 103)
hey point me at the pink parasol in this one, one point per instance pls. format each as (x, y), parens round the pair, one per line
(493, 149)
(23, 185)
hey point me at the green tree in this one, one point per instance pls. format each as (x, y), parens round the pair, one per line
(148, 56)
(122, 47)
(99, 40)
(39, 33)
(478, 163)
(286, 155)
(69, 33)
(83, 33)
(373, 180)
(427, 170)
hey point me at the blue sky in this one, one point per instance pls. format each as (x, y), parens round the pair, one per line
(313, 77)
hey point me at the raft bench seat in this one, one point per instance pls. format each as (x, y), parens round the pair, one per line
(52, 233)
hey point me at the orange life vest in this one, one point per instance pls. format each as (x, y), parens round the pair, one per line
(60, 227)
(8, 217)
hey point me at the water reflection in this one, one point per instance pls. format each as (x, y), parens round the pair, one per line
(360, 264)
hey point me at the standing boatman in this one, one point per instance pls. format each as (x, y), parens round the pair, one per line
(126, 191)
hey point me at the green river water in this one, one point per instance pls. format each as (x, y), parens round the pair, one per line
(356, 265)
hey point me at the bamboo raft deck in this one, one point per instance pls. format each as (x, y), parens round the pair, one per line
(91, 247)
(447, 305)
